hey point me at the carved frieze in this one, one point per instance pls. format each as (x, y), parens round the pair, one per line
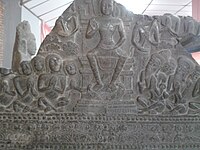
(105, 78)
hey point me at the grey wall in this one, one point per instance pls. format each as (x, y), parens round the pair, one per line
(12, 18)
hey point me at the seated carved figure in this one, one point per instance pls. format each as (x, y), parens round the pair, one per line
(153, 99)
(191, 90)
(194, 104)
(38, 64)
(153, 66)
(153, 82)
(52, 84)
(184, 67)
(73, 87)
(106, 25)
(177, 85)
(25, 87)
(7, 92)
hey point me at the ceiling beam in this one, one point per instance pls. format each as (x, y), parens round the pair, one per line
(32, 13)
(55, 9)
(147, 7)
(51, 19)
(39, 4)
(183, 7)
(22, 2)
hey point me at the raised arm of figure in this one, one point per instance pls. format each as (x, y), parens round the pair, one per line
(121, 34)
(138, 31)
(154, 33)
(91, 29)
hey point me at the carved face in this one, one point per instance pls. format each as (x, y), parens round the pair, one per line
(195, 75)
(71, 68)
(166, 21)
(26, 68)
(168, 68)
(153, 65)
(107, 7)
(38, 63)
(183, 70)
(55, 64)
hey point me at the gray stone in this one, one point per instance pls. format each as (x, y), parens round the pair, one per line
(105, 78)
(25, 45)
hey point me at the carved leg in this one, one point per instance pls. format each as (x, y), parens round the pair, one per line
(95, 70)
(45, 105)
(117, 71)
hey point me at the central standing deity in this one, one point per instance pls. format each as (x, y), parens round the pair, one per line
(106, 25)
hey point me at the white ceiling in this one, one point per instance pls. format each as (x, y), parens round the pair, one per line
(50, 10)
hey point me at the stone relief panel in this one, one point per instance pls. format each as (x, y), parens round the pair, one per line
(101, 58)
(79, 131)
(109, 77)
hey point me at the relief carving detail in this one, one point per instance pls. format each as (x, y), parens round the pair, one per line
(104, 78)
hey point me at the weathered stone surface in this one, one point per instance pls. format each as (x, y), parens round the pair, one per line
(25, 45)
(84, 131)
(105, 78)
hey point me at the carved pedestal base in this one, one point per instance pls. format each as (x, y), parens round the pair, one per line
(84, 131)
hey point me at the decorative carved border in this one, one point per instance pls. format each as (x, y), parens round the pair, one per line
(87, 131)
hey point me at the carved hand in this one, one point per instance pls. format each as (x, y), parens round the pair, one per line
(93, 24)
(52, 82)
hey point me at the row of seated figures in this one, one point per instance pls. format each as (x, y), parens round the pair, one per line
(53, 85)
(42, 85)
(105, 79)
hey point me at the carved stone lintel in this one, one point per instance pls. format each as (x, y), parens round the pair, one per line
(104, 78)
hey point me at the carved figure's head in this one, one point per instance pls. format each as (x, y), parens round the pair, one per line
(107, 7)
(185, 66)
(169, 67)
(26, 68)
(55, 63)
(195, 75)
(154, 63)
(166, 21)
(70, 68)
(38, 63)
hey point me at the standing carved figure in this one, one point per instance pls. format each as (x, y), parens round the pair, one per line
(7, 91)
(106, 25)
